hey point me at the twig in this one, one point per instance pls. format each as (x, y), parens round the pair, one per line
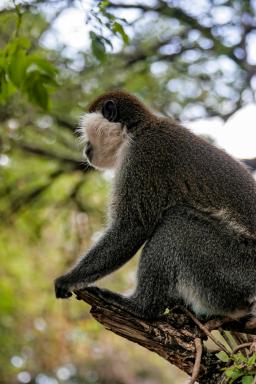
(241, 346)
(42, 152)
(240, 340)
(206, 331)
(217, 323)
(196, 368)
(19, 18)
(23, 200)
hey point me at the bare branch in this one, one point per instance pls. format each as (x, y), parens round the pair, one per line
(172, 337)
(75, 165)
(251, 163)
(24, 199)
(196, 369)
(176, 12)
(206, 331)
(176, 337)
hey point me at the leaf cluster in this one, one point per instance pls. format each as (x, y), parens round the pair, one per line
(241, 369)
(29, 73)
(104, 23)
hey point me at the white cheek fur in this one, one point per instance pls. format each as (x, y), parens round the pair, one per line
(107, 139)
(86, 120)
(93, 125)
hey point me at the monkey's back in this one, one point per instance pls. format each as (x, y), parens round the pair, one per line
(192, 171)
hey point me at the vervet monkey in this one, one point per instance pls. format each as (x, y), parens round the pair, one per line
(191, 206)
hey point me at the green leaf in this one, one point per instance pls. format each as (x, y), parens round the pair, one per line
(41, 95)
(110, 16)
(48, 80)
(17, 67)
(98, 47)
(6, 88)
(233, 373)
(247, 379)
(107, 41)
(17, 43)
(252, 360)
(43, 65)
(36, 89)
(239, 358)
(223, 357)
(103, 4)
(118, 28)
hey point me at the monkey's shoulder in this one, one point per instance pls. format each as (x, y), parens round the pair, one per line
(173, 145)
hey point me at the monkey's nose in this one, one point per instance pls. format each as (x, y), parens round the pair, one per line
(88, 150)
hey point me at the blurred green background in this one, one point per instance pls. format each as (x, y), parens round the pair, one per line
(190, 59)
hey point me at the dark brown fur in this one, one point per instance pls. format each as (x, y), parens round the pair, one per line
(131, 111)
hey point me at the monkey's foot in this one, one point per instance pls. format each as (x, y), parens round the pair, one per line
(124, 303)
(127, 304)
(108, 296)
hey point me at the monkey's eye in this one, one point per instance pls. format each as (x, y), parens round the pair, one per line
(109, 110)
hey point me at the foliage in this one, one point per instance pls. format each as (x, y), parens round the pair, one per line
(29, 73)
(52, 206)
(104, 22)
(241, 369)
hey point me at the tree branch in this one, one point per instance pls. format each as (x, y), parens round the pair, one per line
(23, 200)
(178, 13)
(251, 163)
(175, 337)
(75, 165)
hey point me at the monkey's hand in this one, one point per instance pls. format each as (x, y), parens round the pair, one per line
(118, 244)
(63, 287)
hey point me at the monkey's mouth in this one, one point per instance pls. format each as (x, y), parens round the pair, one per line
(88, 151)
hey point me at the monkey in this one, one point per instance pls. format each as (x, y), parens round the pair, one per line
(188, 204)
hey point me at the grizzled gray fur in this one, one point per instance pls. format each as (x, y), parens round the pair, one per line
(191, 206)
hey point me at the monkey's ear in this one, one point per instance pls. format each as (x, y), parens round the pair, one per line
(109, 110)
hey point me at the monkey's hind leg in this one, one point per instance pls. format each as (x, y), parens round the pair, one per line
(144, 303)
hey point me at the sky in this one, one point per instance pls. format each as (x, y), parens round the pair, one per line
(237, 136)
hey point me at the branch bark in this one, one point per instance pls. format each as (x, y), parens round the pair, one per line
(251, 163)
(162, 8)
(75, 165)
(174, 337)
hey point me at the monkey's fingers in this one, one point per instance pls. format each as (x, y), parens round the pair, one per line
(62, 294)
(61, 290)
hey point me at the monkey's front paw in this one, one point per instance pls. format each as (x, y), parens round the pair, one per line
(62, 288)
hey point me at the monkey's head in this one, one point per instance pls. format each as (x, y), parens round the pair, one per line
(106, 129)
